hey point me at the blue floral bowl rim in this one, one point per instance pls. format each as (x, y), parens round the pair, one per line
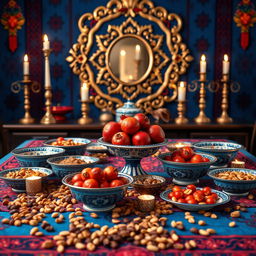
(188, 164)
(46, 143)
(210, 174)
(100, 141)
(3, 172)
(67, 177)
(18, 152)
(162, 195)
(52, 160)
(239, 146)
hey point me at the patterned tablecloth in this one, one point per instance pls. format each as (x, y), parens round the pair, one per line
(240, 240)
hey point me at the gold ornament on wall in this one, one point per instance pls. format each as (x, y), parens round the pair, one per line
(152, 68)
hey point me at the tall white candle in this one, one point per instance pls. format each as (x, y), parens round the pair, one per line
(84, 92)
(122, 65)
(137, 52)
(225, 65)
(47, 75)
(182, 91)
(46, 43)
(26, 65)
(203, 64)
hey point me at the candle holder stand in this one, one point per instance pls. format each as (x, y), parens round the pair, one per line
(181, 119)
(48, 117)
(26, 84)
(202, 118)
(224, 118)
(85, 108)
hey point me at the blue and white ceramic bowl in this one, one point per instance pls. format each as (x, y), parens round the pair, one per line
(19, 185)
(62, 170)
(98, 199)
(186, 173)
(224, 151)
(234, 187)
(37, 156)
(223, 199)
(71, 150)
(132, 155)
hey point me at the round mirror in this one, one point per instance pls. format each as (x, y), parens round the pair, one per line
(129, 59)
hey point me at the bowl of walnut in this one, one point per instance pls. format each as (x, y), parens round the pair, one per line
(149, 184)
(64, 165)
(234, 181)
(16, 177)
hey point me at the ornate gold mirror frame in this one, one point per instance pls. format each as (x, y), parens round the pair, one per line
(175, 62)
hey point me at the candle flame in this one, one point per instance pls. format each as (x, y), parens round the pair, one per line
(84, 84)
(137, 47)
(45, 37)
(225, 57)
(26, 57)
(182, 84)
(123, 52)
(203, 58)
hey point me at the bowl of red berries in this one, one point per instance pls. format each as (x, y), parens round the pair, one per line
(192, 198)
(185, 166)
(98, 189)
(133, 138)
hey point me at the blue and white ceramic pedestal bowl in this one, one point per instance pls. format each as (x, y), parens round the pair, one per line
(234, 187)
(186, 173)
(223, 198)
(98, 199)
(224, 151)
(19, 185)
(133, 155)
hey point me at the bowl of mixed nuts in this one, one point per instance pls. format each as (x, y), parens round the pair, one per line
(72, 146)
(64, 165)
(149, 184)
(16, 177)
(234, 181)
(36, 156)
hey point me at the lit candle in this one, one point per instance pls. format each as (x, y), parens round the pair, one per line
(46, 43)
(146, 203)
(203, 64)
(26, 65)
(84, 92)
(237, 164)
(122, 63)
(225, 65)
(182, 91)
(137, 52)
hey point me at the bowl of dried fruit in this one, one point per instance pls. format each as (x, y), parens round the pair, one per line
(99, 190)
(64, 165)
(36, 156)
(234, 181)
(72, 146)
(149, 184)
(16, 177)
(185, 166)
(224, 151)
(192, 198)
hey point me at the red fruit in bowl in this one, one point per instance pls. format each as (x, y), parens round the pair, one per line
(186, 152)
(109, 130)
(156, 133)
(196, 159)
(78, 183)
(96, 173)
(143, 120)
(104, 184)
(110, 173)
(122, 117)
(116, 183)
(121, 138)
(130, 125)
(168, 158)
(141, 138)
(178, 159)
(91, 183)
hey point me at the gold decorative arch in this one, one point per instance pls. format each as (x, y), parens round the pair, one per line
(175, 61)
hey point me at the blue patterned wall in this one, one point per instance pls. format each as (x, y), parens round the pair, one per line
(58, 19)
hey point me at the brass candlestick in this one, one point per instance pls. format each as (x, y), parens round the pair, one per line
(85, 108)
(202, 118)
(181, 119)
(224, 118)
(27, 85)
(48, 117)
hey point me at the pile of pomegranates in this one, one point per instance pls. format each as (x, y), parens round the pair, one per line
(135, 131)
